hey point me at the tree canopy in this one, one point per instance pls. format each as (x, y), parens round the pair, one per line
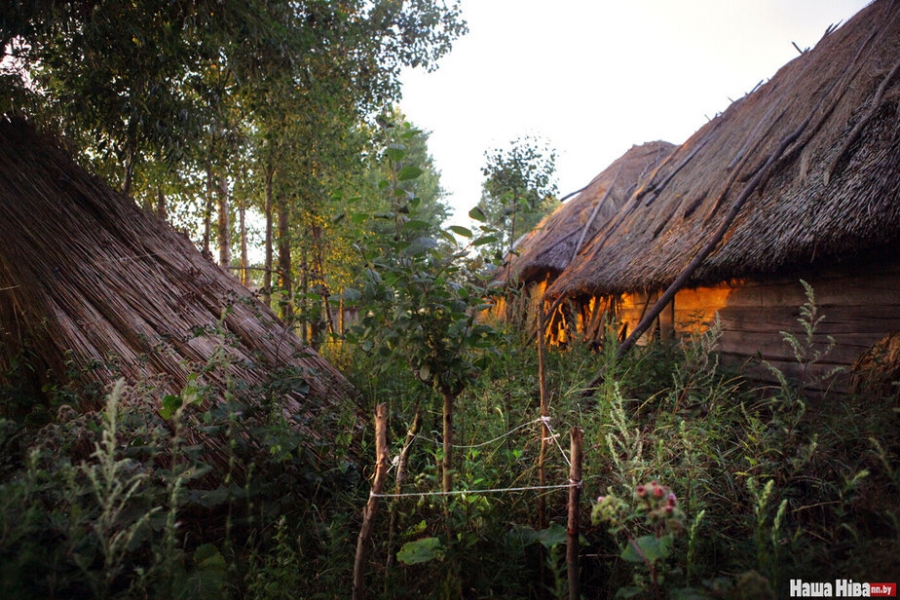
(519, 188)
(205, 110)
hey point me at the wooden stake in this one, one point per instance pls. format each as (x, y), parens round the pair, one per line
(572, 528)
(447, 462)
(545, 412)
(402, 463)
(382, 464)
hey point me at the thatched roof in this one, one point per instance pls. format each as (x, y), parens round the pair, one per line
(550, 246)
(92, 288)
(828, 122)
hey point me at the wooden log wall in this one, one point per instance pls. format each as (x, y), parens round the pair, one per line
(860, 302)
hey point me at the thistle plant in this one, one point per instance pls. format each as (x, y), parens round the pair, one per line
(653, 510)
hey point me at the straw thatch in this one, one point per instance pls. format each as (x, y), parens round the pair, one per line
(93, 289)
(804, 170)
(550, 247)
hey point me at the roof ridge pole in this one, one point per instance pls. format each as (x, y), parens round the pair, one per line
(707, 249)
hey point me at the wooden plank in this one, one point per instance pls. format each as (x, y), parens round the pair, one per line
(667, 322)
(862, 286)
(771, 347)
(837, 321)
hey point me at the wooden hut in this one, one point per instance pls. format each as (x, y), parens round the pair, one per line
(93, 289)
(797, 180)
(548, 249)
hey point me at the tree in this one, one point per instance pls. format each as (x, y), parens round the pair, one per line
(518, 190)
(395, 132)
(188, 84)
(422, 309)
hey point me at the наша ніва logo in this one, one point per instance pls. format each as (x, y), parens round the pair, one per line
(841, 588)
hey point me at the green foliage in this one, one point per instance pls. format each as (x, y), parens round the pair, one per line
(518, 190)
(421, 551)
(116, 504)
(235, 112)
(421, 303)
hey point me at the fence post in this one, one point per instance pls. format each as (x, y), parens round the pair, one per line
(382, 464)
(545, 412)
(572, 529)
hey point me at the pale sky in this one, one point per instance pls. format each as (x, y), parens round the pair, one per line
(594, 77)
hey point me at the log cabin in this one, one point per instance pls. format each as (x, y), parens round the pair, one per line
(542, 254)
(797, 180)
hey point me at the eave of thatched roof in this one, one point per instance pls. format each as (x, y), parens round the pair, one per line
(550, 246)
(828, 120)
(93, 288)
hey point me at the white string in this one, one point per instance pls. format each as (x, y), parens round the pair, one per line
(489, 491)
(496, 439)
(510, 432)
(553, 436)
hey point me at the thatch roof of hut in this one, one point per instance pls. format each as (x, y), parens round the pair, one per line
(550, 246)
(805, 169)
(93, 289)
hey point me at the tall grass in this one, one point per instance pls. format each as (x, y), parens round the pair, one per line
(769, 487)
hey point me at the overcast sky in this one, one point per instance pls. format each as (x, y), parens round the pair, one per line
(594, 77)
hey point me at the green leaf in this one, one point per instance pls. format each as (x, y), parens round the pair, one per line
(207, 556)
(485, 239)
(417, 225)
(208, 578)
(555, 535)
(461, 231)
(421, 551)
(477, 214)
(651, 547)
(396, 152)
(408, 172)
(170, 405)
(190, 393)
(420, 245)
(447, 236)
(351, 295)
